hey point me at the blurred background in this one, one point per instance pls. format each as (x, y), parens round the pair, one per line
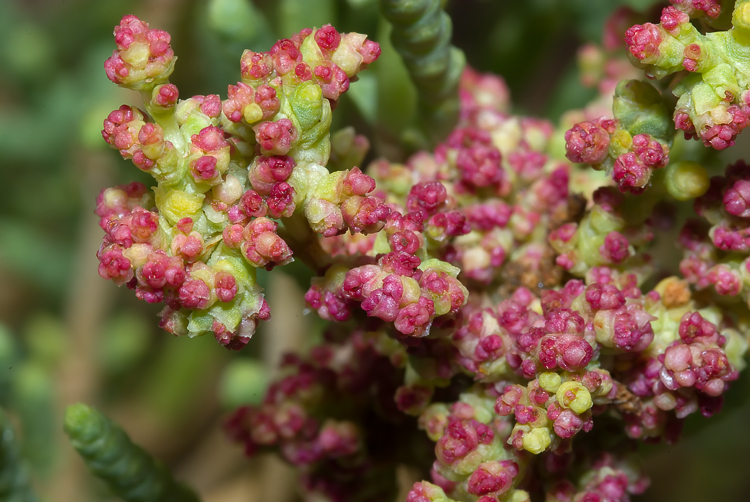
(67, 336)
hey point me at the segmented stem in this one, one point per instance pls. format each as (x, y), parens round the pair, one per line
(422, 36)
(128, 470)
(14, 475)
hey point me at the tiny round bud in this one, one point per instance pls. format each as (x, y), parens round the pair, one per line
(537, 440)
(686, 180)
(575, 396)
(549, 381)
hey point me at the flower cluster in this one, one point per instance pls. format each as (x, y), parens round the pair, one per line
(632, 145)
(713, 100)
(232, 176)
(497, 310)
(549, 332)
(318, 413)
(717, 249)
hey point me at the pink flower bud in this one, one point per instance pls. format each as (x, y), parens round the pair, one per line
(632, 329)
(267, 171)
(128, 30)
(616, 248)
(239, 97)
(204, 168)
(588, 142)
(692, 326)
(604, 296)
(721, 136)
(281, 200)
(370, 51)
(189, 246)
(358, 283)
(339, 439)
(400, 263)
(226, 286)
(211, 105)
(262, 246)
(678, 358)
(265, 97)
(737, 199)
(285, 56)
(275, 138)
(649, 151)
(153, 273)
(364, 214)
(725, 280)
(209, 139)
(414, 319)
(255, 65)
(480, 166)
(450, 224)
(384, 303)
(643, 42)
(143, 224)
(630, 173)
(252, 204)
(428, 196)
(357, 183)
(424, 492)
(165, 96)
(412, 399)
(671, 19)
(460, 438)
(233, 235)
(116, 69)
(332, 80)
(405, 242)
(128, 66)
(150, 134)
(194, 294)
(113, 265)
(491, 478)
(489, 215)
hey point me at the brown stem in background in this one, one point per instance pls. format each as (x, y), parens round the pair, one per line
(286, 331)
(87, 301)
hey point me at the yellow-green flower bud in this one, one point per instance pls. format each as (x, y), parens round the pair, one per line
(575, 396)
(537, 440)
(550, 381)
(686, 180)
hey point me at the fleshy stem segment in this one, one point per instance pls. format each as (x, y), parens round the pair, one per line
(422, 34)
(14, 476)
(128, 470)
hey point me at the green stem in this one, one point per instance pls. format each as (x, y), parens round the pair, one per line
(304, 242)
(421, 34)
(14, 476)
(128, 470)
(167, 121)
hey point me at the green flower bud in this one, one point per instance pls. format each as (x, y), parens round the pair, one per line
(686, 180)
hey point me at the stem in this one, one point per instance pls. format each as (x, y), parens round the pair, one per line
(422, 34)
(87, 302)
(167, 121)
(127, 469)
(15, 483)
(304, 242)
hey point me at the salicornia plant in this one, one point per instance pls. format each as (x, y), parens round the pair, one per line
(509, 314)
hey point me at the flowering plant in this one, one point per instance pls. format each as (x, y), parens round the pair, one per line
(505, 314)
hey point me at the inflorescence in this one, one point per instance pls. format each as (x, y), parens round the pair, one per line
(499, 319)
